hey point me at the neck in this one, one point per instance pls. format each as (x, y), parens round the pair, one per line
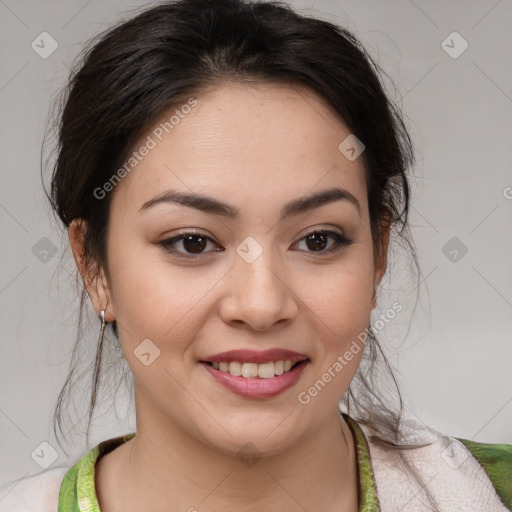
(163, 465)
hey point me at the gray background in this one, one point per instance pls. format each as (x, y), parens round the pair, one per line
(454, 364)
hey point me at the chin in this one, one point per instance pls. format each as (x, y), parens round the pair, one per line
(263, 434)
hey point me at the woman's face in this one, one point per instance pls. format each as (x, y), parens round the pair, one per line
(251, 278)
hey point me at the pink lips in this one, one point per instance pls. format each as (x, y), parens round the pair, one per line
(257, 388)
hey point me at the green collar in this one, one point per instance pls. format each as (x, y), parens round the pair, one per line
(368, 500)
(78, 493)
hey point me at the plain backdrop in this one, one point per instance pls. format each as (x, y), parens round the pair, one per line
(454, 364)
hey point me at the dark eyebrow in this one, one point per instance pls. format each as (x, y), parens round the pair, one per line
(210, 205)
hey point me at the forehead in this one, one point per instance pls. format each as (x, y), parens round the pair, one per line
(242, 142)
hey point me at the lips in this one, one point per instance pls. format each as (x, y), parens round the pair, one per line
(256, 375)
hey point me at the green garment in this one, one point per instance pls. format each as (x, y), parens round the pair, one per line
(78, 494)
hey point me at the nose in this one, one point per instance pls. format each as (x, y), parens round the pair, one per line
(259, 294)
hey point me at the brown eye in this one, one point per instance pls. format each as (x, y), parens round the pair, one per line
(317, 241)
(194, 243)
(186, 244)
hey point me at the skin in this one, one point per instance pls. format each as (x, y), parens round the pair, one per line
(256, 148)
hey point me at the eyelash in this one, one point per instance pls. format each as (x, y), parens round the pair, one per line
(340, 241)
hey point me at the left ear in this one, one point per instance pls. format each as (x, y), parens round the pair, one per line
(380, 257)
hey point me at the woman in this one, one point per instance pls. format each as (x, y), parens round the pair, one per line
(231, 174)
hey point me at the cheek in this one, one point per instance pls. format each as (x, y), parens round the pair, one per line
(339, 304)
(342, 295)
(340, 307)
(154, 299)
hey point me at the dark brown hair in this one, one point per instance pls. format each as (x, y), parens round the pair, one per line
(131, 73)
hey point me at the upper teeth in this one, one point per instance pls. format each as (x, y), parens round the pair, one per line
(253, 370)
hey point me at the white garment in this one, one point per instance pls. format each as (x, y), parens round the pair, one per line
(466, 488)
(38, 493)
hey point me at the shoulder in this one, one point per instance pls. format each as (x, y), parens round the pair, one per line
(452, 473)
(496, 460)
(37, 493)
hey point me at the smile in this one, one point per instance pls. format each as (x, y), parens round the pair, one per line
(254, 370)
(256, 380)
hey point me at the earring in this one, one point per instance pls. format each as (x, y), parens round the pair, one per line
(102, 329)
